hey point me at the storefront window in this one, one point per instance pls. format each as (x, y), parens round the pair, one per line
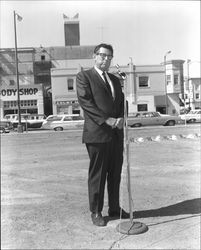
(23, 103)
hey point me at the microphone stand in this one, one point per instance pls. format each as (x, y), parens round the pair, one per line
(128, 227)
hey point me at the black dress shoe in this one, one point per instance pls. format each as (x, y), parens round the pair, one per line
(119, 213)
(98, 220)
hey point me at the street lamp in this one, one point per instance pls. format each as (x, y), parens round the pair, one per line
(166, 99)
(19, 127)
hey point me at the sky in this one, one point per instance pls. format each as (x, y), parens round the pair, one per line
(141, 31)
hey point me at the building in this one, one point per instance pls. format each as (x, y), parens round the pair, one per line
(174, 85)
(63, 79)
(31, 96)
(53, 72)
(34, 67)
(193, 93)
(31, 99)
(47, 79)
(145, 87)
(72, 31)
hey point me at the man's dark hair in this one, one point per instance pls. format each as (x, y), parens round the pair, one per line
(103, 45)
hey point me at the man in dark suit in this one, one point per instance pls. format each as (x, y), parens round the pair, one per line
(102, 100)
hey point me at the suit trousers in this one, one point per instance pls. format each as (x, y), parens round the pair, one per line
(106, 161)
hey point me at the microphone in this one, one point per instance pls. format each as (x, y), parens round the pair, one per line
(122, 74)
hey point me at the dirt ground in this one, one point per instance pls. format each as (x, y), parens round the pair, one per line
(45, 204)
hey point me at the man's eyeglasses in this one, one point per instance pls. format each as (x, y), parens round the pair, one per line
(103, 56)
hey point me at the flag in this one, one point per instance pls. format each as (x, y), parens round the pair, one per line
(19, 18)
(76, 16)
(65, 17)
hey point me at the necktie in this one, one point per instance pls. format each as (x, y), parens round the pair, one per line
(107, 83)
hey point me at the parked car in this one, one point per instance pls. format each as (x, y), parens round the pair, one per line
(146, 118)
(5, 126)
(61, 122)
(192, 116)
(27, 120)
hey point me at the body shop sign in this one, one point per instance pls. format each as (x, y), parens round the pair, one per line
(22, 91)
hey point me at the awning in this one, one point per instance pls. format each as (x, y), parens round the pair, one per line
(160, 100)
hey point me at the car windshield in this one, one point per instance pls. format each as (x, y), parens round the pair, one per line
(147, 115)
(156, 114)
(192, 112)
(77, 118)
(68, 118)
(134, 115)
(54, 118)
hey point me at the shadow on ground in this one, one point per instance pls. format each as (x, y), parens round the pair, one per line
(185, 207)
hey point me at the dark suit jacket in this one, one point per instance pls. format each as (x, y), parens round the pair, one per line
(98, 105)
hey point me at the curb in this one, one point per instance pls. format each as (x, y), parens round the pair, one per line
(159, 138)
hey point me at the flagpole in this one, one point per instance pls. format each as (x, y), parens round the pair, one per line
(19, 127)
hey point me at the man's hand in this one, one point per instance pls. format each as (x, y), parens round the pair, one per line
(119, 123)
(115, 123)
(111, 122)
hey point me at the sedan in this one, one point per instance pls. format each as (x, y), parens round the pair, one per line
(61, 122)
(192, 116)
(5, 126)
(152, 118)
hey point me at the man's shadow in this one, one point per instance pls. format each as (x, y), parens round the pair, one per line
(185, 207)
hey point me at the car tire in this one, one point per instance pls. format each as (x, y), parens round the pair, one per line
(24, 127)
(192, 121)
(170, 123)
(58, 129)
(2, 131)
(136, 125)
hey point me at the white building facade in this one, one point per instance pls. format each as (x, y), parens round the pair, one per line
(145, 87)
(193, 93)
